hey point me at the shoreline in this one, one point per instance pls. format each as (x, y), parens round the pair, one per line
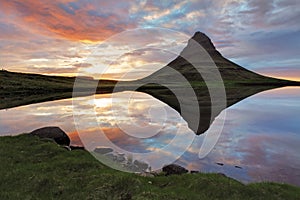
(51, 171)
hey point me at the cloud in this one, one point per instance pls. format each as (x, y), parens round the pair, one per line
(50, 70)
(255, 34)
(82, 65)
(258, 152)
(83, 20)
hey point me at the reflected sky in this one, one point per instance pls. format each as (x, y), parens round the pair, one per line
(259, 142)
(261, 135)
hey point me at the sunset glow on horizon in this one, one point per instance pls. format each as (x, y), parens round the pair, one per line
(57, 37)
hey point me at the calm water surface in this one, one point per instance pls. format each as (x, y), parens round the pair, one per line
(260, 140)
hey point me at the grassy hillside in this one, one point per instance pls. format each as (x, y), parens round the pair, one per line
(32, 168)
(20, 88)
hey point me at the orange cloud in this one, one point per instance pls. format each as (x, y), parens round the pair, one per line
(72, 20)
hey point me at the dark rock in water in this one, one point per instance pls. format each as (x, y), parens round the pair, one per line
(194, 172)
(238, 167)
(71, 148)
(140, 166)
(54, 133)
(221, 164)
(103, 150)
(121, 158)
(174, 169)
(76, 148)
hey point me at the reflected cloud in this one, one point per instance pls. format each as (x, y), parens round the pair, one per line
(259, 142)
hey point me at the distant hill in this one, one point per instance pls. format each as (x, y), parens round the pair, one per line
(24, 88)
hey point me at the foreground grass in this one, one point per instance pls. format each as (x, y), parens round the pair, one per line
(32, 168)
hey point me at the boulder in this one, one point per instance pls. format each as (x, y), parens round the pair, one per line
(140, 166)
(54, 133)
(77, 148)
(174, 169)
(103, 150)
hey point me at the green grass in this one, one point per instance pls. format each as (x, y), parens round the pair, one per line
(18, 89)
(32, 168)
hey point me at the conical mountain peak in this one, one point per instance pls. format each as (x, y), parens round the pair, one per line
(228, 70)
(204, 41)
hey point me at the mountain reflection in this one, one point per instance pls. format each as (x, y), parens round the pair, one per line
(260, 133)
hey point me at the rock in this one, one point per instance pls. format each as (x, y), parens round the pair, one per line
(194, 172)
(140, 166)
(54, 133)
(71, 148)
(221, 164)
(77, 148)
(103, 150)
(121, 158)
(238, 167)
(174, 169)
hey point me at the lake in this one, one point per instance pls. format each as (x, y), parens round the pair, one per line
(260, 139)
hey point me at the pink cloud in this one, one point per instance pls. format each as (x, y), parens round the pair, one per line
(56, 17)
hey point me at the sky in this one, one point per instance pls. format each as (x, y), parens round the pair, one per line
(60, 37)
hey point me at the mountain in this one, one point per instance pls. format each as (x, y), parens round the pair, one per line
(200, 83)
(228, 70)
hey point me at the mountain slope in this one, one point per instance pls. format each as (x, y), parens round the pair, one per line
(200, 83)
(228, 70)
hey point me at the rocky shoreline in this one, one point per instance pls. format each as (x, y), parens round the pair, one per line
(58, 136)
